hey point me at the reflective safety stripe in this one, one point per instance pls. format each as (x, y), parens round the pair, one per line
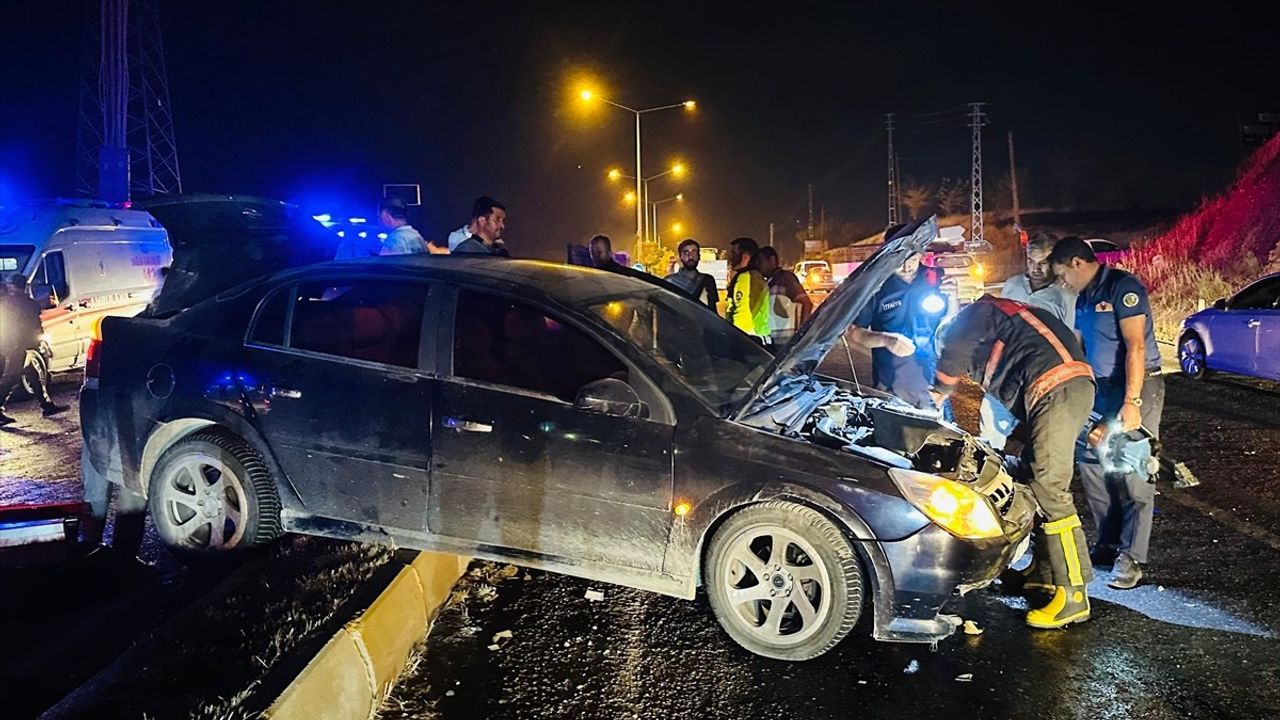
(1053, 378)
(1071, 522)
(1064, 529)
(1044, 330)
(997, 351)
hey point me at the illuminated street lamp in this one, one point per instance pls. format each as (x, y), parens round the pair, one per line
(649, 228)
(587, 95)
(653, 208)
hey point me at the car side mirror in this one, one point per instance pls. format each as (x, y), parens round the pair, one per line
(1220, 304)
(611, 396)
(42, 294)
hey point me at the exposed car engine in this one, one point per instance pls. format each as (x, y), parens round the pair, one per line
(871, 426)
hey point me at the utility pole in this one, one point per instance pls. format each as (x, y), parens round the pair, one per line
(1013, 179)
(125, 142)
(771, 234)
(822, 229)
(809, 234)
(977, 243)
(893, 172)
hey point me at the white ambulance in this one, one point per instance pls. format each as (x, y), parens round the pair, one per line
(85, 261)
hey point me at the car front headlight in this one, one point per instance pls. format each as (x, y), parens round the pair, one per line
(954, 506)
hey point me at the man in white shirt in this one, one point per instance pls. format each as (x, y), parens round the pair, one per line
(1038, 286)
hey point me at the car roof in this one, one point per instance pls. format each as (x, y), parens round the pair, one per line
(569, 283)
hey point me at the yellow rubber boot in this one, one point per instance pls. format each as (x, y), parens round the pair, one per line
(1070, 604)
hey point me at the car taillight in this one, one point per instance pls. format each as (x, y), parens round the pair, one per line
(93, 358)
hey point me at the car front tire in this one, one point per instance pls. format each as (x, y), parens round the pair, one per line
(211, 495)
(1192, 356)
(783, 581)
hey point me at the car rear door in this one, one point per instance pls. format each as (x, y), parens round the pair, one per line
(517, 466)
(343, 395)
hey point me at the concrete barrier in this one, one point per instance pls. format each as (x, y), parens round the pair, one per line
(355, 669)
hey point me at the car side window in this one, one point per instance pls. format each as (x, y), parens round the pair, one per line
(505, 342)
(269, 323)
(53, 272)
(376, 321)
(1258, 296)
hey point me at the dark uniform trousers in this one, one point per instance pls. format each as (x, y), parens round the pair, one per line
(1053, 425)
(1123, 505)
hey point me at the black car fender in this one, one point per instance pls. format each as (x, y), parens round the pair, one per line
(182, 419)
(687, 551)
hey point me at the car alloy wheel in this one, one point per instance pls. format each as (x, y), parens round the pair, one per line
(1191, 357)
(783, 581)
(211, 494)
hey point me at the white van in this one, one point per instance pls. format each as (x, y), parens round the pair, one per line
(87, 261)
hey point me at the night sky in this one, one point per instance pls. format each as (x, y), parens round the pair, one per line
(1111, 107)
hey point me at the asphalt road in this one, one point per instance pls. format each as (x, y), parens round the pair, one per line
(1196, 640)
(66, 621)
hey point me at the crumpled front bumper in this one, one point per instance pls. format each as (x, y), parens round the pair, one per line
(932, 566)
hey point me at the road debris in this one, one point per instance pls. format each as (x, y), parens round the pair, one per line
(505, 634)
(965, 677)
(912, 668)
(971, 628)
(594, 595)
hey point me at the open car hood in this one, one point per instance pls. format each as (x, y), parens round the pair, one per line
(220, 241)
(795, 365)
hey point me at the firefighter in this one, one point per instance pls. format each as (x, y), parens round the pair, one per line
(1113, 317)
(1032, 363)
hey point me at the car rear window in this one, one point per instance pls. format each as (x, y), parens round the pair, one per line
(952, 261)
(375, 321)
(269, 324)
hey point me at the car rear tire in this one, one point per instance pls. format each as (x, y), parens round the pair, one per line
(783, 581)
(211, 495)
(1192, 357)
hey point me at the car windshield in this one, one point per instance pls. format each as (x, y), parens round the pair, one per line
(712, 357)
(13, 259)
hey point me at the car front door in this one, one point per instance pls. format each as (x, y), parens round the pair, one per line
(516, 465)
(1236, 333)
(61, 320)
(1266, 357)
(342, 388)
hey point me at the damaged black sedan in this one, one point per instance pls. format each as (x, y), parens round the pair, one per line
(560, 418)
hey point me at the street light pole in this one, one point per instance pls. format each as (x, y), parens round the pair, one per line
(641, 230)
(640, 198)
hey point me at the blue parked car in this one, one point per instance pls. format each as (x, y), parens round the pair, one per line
(1237, 335)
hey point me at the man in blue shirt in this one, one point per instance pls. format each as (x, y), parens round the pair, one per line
(899, 336)
(1113, 319)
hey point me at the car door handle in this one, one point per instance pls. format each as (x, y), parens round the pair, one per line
(284, 392)
(400, 377)
(467, 425)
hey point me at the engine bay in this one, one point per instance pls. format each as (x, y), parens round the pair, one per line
(870, 426)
